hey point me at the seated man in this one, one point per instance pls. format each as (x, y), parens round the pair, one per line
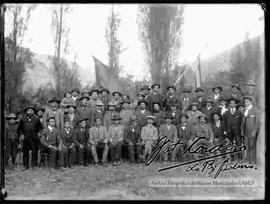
(81, 136)
(68, 143)
(132, 137)
(50, 142)
(115, 135)
(98, 140)
(149, 136)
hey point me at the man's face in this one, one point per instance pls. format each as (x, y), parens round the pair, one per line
(156, 107)
(94, 95)
(52, 122)
(168, 121)
(173, 108)
(145, 92)
(116, 122)
(74, 93)
(150, 121)
(156, 89)
(232, 104)
(199, 93)
(208, 104)
(116, 96)
(222, 103)
(84, 101)
(67, 125)
(216, 90)
(247, 102)
(202, 120)
(30, 111)
(234, 89)
(54, 104)
(183, 120)
(185, 95)
(125, 105)
(215, 117)
(98, 122)
(194, 108)
(143, 106)
(83, 124)
(68, 95)
(12, 121)
(71, 109)
(104, 93)
(171, 91)
(134, 122)
(241, 108)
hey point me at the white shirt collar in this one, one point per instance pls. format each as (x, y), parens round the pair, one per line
(50, 128)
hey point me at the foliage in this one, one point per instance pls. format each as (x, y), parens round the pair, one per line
(160, 32)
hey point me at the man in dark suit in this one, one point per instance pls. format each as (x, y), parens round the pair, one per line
(155, 96)
(232, 119)
(84, 110)
(175, 113)
(142, 114)
(222, 108)
(236, 92)
(28, 129)
(159, 114)
(209, 108)
(81, 137)
(170, 98)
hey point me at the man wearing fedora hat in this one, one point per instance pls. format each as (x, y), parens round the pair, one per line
(185, 99)
(105, 97)
(146, 91)
(71, 115)
(149, 135)
(125, 113)
(52, 110)
(175, 112)
(98, 139)
(116, 99)
(142, 113)
(209, 108)
(159, 114)
(28, 129)
(250, 128)
(199, 97)
(132, 138)
(217, 92)
(81, 137)
(155, 96)
(140, 97)
(222, 108)
(11, 138)
(170, 98)
(193, 113)
(169, 130)
(94, 98)
(115, 136)
(232, 120)
(236, 92)
(84, 110)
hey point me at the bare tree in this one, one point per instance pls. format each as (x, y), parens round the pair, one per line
(160, 32)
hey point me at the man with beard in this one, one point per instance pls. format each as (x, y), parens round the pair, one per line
(29, 127)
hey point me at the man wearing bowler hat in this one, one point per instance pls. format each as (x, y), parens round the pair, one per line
(142, 113)
(28, 129)
(250, 128)
(155, 96)
(52, 110)
(170, 98)
(132, 138)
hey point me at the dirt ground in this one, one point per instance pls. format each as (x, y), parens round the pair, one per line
(124, 182)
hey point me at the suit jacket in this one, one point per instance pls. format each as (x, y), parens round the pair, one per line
(58, 114)
(154, 98)
(170, 133)
(50, 138)
(251, 122)
(29, 127)
(81, 137)
(74, 121)
(209, 112)
(176, 116)
(98, 135)
(67, 137)
(233, 122)
(141, 117)
(199, 131)
(132, 134)
(184, 134)
(160, 118)
(149, 133)
(218, 131)
(169, 100)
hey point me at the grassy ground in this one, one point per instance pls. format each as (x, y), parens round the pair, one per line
(127, 181)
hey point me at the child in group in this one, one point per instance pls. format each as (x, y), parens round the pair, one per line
(149, 135)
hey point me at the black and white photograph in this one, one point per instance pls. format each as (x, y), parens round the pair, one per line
(133, 101)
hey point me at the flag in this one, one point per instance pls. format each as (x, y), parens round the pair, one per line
(105, 77)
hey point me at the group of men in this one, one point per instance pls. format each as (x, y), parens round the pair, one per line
(98, 127)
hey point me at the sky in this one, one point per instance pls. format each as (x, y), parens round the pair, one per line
(208, 29)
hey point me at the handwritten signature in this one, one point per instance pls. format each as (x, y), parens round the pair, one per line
(209, 162)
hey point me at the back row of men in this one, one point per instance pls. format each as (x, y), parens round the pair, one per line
(93, 119)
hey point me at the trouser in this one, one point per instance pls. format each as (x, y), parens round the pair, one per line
(148, 145)
(69, 155)
(83, 154)
(236, 136)
(251, 149)
(105, 149)
(115, 151)
(11, 150)
(53, 156)
(30, 144)
(132, 150)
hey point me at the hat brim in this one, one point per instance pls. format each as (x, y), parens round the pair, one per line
(236, 87)
(33, 108)
(84, 97)
(57, 101)
(84, 119)
(155, 85)
(218, 87)
(116, 92)
(171, 87)
(146, 103)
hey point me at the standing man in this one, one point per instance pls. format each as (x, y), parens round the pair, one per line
(185, 100)
(140, 97)
(98, 112)
(116, 99)
(236, 92)
(146, 91)
(94, 98)
(28, 129)
(199, 97)
(132, 138)
(105, 97)
(158, 114)
(232, 119)
(216, 94)
(126, 113)
(107, 120)
(71, 115)
(155, 96)
(250, 127)
(115, 136)
(142, 114)
(250, 90)
(75, 95)
(170, 98)
(209, 108)
(193, 113)
(175, 113)
(40, 112)
(52, 110)
(84, 111)
(222, 105)
(98, 139)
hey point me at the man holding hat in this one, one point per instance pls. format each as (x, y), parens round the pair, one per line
(155, 96)
(232, 120)
(193, 113)
(52, 110)
(81, 137)
(11, 138)
(132, 138)
(185, 100)
(209, 108)
(169, 130)
(142, 113)
(199, 97)
(84, 111)
(236, 92)
(28, 129)
(250, 128)
(116, 135)
(170, 98)
(149, 135)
